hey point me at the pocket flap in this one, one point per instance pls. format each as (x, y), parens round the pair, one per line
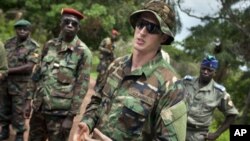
(173, 113)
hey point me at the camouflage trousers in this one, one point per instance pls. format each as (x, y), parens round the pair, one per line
(11, 104)
(43, 127)
(196, 135)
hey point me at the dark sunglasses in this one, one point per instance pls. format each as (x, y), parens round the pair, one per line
(151, 27)
(70, 21)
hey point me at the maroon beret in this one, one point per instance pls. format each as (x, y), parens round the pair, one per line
(72, 11)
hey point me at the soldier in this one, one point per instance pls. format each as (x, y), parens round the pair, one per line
(3, 65)
(205, 96)
(22, 54)
(106, 54)
(139, 99)
(3, 74)
(61, 78)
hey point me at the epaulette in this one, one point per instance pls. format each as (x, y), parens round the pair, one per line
(34, 42)
(219, 87)
(188, 77)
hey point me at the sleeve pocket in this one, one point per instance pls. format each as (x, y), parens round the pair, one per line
(176, 117)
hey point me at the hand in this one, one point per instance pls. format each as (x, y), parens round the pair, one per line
(97, 136)
(211, 136)
(67, 125)
(81, 132)
(27, 109)
(1, 76)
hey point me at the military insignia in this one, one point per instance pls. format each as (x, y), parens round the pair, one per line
(230, 103)
(219, 87)
(35, 55)
(188, 77)
(56, 65)
(166, 114)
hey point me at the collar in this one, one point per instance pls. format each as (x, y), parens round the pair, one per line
(71, 45)
(208, 87)
(24, 43)
(147, 69)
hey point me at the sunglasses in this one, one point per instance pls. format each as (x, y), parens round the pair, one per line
(151, 27)
(70, 21)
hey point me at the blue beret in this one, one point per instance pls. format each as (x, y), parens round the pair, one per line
(210, 61)
(22, 22)
(72, 11)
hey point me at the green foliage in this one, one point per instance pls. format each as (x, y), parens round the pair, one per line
(218, 119)
(6, 29)
(181, 61)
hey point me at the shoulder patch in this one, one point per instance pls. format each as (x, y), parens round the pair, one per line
(219, 87)
(188, 77)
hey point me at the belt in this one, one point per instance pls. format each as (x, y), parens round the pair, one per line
(196, 127)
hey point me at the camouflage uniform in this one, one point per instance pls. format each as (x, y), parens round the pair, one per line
(140, 105)
(62, 78)
(3, 72)
(202, 105)
(106, 57)
(3, 60)
(18, 54)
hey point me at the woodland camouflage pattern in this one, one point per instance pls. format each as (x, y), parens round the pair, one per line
(144, 104)
(3, 60)
(62, 77)
(17, 55)
(164, 14)
(106, 57)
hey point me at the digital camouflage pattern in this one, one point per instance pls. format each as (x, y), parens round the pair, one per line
(202, 103)
(106, 53)
(18, 54)
(145, 104)
(61, 77)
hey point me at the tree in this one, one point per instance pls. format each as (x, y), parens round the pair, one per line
(232, 27)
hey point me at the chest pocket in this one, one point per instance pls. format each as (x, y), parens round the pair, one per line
(137, 109)
(22, 53)
(66, 73)
(132, 118)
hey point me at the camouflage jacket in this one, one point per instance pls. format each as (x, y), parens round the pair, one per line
(106, 50)
(203, 101)
(62, 77)
(3, 60)
(144, 104)
(19, 54)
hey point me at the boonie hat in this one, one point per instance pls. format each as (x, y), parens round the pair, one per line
(72, 11)
(164, 15)
(22, 22)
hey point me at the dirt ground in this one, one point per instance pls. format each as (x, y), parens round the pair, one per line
(76, 120)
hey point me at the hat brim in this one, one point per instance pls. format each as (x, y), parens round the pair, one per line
(164, 28)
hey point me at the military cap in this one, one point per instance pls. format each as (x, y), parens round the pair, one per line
(22, 22)
(210, 62)
(164, 15)
(72, 11)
